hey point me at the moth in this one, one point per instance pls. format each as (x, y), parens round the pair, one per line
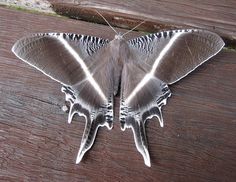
(94, 70)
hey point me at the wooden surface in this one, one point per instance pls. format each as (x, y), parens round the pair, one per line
(197, 142)
(215, 15)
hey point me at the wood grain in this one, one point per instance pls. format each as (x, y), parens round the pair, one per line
(214, 15)
(197, 142)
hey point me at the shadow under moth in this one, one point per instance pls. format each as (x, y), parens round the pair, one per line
(93, 70)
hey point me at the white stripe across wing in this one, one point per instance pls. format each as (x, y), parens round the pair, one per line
(150, 75)
(138, 87)
(83, 65)
(164, 51)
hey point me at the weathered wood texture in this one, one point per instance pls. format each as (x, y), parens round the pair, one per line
(36, 144)
(215, 15)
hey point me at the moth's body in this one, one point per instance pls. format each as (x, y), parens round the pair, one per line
(92, 70)
(118, 49)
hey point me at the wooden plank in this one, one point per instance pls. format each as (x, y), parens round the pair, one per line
(36, 144)
(212, 15)
(32, 5)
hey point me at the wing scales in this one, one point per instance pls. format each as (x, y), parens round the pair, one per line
(173, 54)
(70, 59)
(162, 58)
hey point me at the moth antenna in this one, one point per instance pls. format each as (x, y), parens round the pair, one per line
(134, 28)
(107, 22)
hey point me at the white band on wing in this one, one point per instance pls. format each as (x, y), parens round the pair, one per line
(164, 51)
(151, 74)
(83, 65)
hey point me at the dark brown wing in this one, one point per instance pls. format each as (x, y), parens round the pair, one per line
(75, 62)
(157, 60)
(174, 54)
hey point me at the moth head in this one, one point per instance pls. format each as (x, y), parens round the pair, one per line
(118, 36)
